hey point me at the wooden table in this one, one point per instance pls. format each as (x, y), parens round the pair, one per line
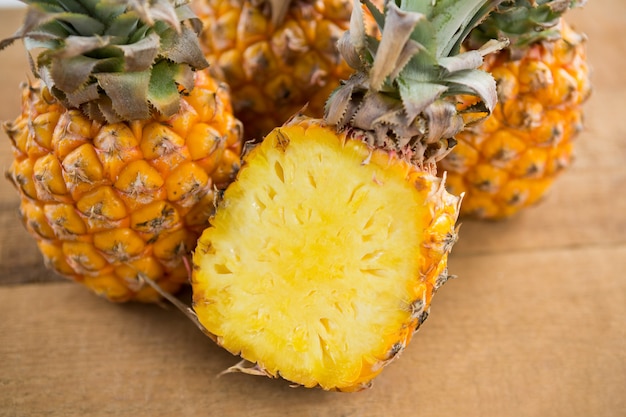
(534, 325)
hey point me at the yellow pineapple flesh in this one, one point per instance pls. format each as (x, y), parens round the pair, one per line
(326, 258)
(275, 67)
(510, 161)
(108, 197)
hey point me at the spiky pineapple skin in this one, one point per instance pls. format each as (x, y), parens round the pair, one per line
(106, 202)
(305, 275)
(274, 72)
(510, 161)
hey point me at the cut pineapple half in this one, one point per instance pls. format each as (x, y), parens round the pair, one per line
(313, 267)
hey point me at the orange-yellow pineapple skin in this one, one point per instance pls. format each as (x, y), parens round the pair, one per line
(274, 71)
(108, 201)
(509, 161)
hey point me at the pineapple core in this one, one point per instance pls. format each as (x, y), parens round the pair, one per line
(312, 265)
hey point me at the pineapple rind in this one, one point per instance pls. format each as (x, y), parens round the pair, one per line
(510, 161)
(275, 70)
(304, 270)
(106, 202)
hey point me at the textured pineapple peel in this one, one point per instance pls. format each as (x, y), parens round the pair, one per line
(314, 267)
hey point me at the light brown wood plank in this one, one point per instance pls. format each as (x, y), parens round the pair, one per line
(582, 209)
(519, 335)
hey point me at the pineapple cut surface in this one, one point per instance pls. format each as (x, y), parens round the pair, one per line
(313, 265)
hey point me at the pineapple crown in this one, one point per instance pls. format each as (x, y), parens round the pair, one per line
(402, 95)
(114, 60)
(524, 22)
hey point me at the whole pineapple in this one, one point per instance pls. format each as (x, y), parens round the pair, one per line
(277, 55)
(510, 161)
(324, 254)
(121, 142)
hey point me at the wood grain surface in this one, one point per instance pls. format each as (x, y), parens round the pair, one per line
(534, 325)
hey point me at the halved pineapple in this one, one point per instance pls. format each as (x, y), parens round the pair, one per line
(324, 258)
(323, 255)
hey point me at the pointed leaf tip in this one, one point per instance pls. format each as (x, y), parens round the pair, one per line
(399, 26)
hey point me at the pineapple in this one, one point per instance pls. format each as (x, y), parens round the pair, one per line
(277, 56)
(323, 255)
(510, 161)
(121, 142)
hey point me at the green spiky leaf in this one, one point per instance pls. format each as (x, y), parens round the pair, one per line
(70, 74)
(82, 95)
(176, 47)
(80, 24)
(140, 55)
(474, 82)
(417, 95)
(113, 59)
(123, 26)
(127, 92)
(163, 90)
(523, 22)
